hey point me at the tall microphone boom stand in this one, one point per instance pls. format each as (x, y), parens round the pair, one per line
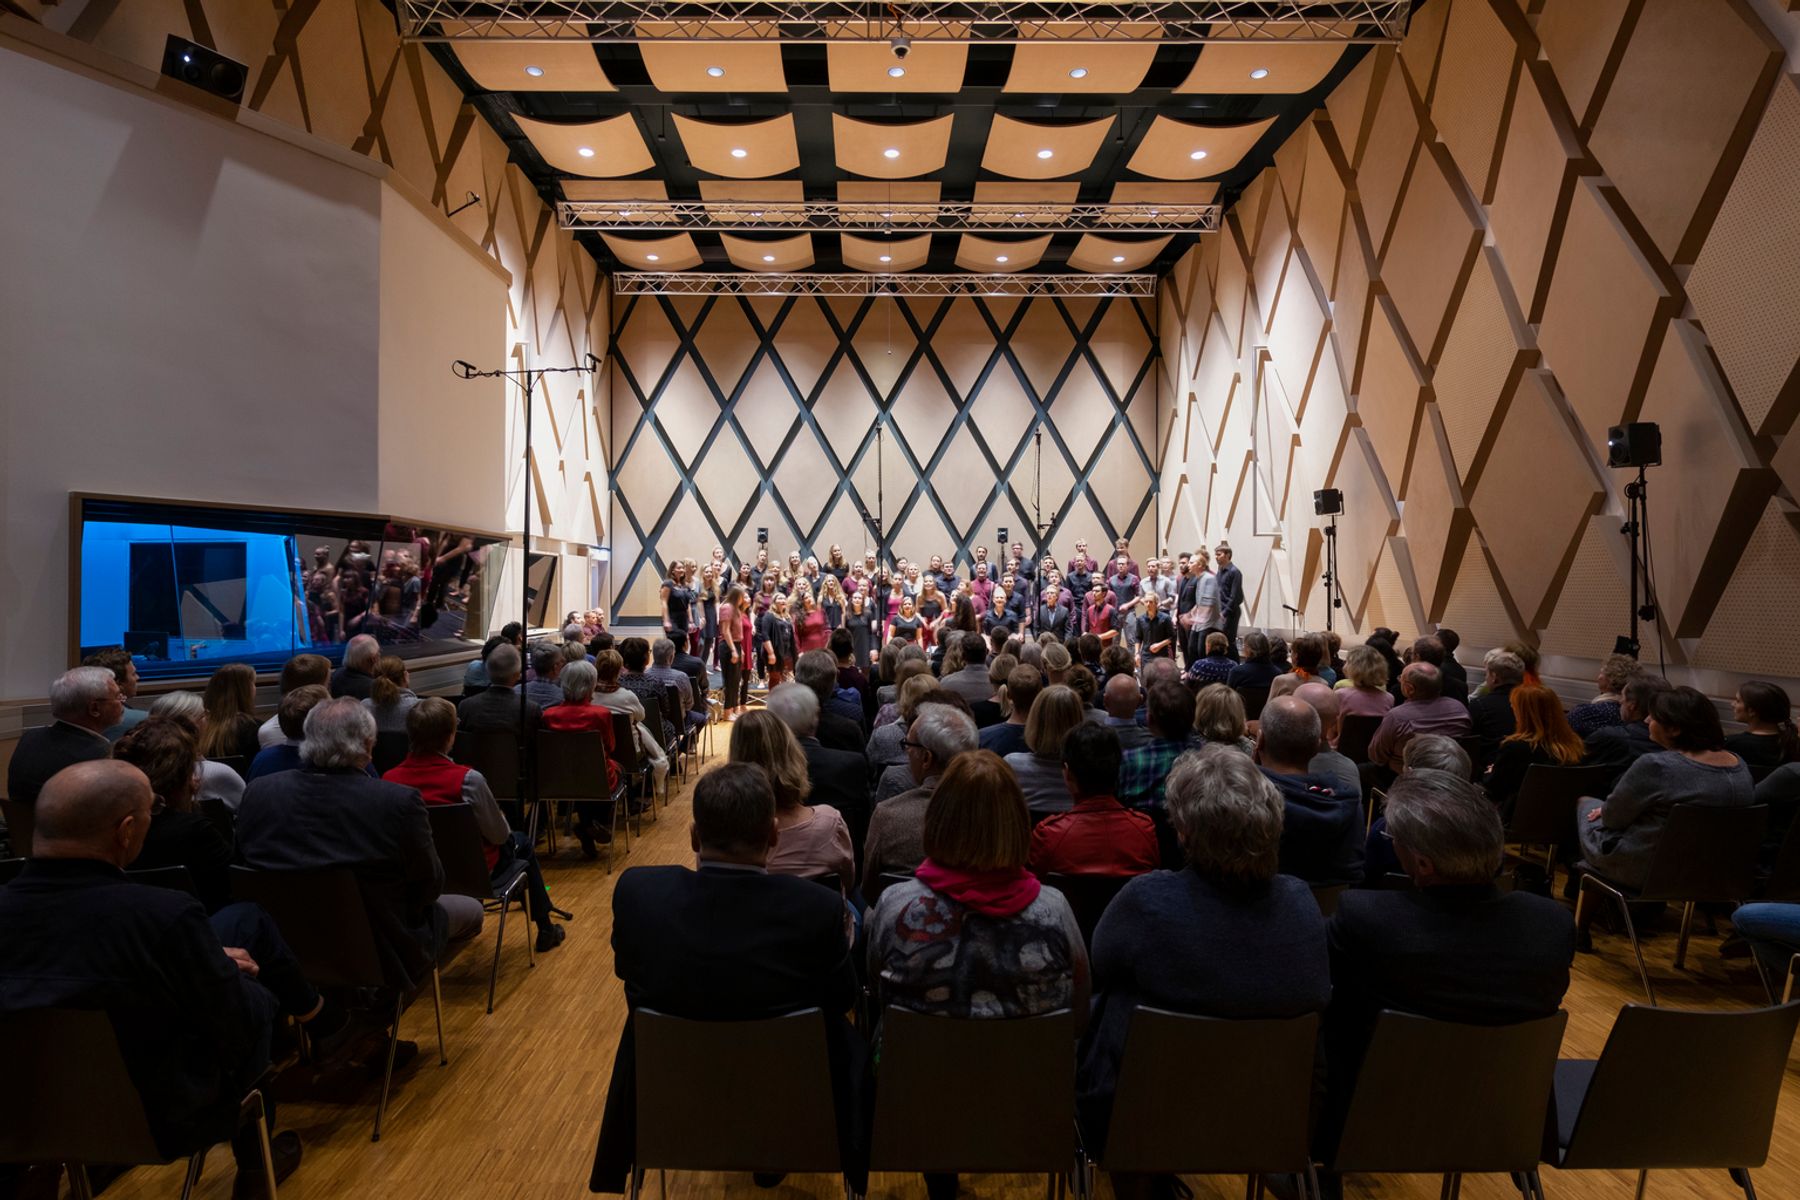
(527, 378)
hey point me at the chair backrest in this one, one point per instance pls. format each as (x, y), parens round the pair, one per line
(21, 819)
(493, 752)
(390, 748)
(1684, 1089)
(237, 762)
(457, 836)
(921, 1125)
(1254, 698)
(571, 764)
(1706, 853)
(10, 868)
(71, 1098)
(1354, 734)
(1088, 896)
(221, 816)
(1783, 885)
(1761, 771)
(1422, 1079)
(176, 878)
(828, 879)
(697, 684)
(625, 747)
(671, 707)
(1327, 896)
(734, 1095)
(1476, 747)
(1544, 814)
(323, 919)
(1204, 1096)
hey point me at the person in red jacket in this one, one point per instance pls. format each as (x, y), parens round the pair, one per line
(430, 732)
(1098, 836)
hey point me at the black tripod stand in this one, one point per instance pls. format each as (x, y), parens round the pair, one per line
(1637, 528)
(1334, 592)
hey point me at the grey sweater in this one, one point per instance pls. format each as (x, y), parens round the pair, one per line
(1619, 843)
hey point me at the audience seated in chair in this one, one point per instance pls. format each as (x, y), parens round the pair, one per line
(547, 662)
(1615, 672)
(217, 781)
(391, 696)
(84, 703)
(118, 660)
(1169, 713)
(1120, 698)
(1490, 713)
(817, 670)
(578, 713)
(302, 670)
(972, 682)
(1363, 691)
(1219, 718)
(356, 677)
(1098, 836)
(1346, 779)
(193, 999)
(814, 840)
(496, 707)
(1621, 745)
(727, 941)
(1321, 832)
(285, 754)
(608, 665)
(1427, 752)
(896, 842)
(663, 669)
(179, 835)
(1425, 710)
(1541, 737)
(1257, 669)
(1768, 738)
(1038, 768)
(1017, 695)
(430, 733)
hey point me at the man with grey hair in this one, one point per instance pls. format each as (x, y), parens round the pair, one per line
(1427, 752)
(1425, 710)
(837, 727)
(496, 707)
(84, 703)
(547, 662)
(839, 778)
(357, 676)
(329, 814)
(1490, 713)
(1256, 670)
(1322, 832)
(1623, 744)
(938, 733)
(662, 669)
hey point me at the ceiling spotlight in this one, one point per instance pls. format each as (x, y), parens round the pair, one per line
(1197, 155)
(1046, 153)
(1260, 73)
(585, 151)
(1078, 73)
(535, 72)
(653, 257)
(896, 72)
(625, 216)
(768, 258)
(890, 152)
(757, 214)
(739, 152)
(1118, 258)
(999, 258)
(716, 72)
(887, 258)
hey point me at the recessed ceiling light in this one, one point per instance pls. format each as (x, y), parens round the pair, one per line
(716, 72)
(768, 258)
(585, 151)
(625, 215)
(1045, 153)
(896, 72)
(1197, 155)
(890, 152)
(739, 152)
(535, 72)
(1078, 73)
(757, 214)
(1118, 258)
(999, 258)
(1260, 73)
(653, 257)
(887, 258)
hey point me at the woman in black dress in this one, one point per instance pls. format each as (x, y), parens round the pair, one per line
(777, 641)
(709, 611)
(906, 623)
(864, 627)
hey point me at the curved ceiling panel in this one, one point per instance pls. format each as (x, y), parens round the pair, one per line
(975, 253)
(1182, 150)
(780, 254)
(738, 199)
(1033, 150)
(868, 67)
(1261, 68)
(1016, 201)
(1045, 63)
(674, 253)
(884, 150)
(740, 149)
(915, 202)
(1111, 255)
(600, 149)
(502, 66)
(885, 254)
(739, 66)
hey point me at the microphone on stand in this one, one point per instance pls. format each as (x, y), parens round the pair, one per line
(594, 363)
(462, 370)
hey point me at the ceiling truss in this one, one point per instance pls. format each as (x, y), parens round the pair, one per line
(707, 283)
(969, 21)
(952, 216)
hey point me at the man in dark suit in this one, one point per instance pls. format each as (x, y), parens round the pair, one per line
(727, 942)
(1491, 714)
(839, 778)
(84, 703)
(817, 671)
(1454, 947)
(1256, 670)
(357, 676)
(1623, 744)
(1456, 676)
(497, 706)
(329, 813)
(1231, 593)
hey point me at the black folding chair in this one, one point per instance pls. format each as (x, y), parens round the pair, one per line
(1544, 813)
(237, 762)
(495, 753)
(571, 766)
(1354, 734)
(1783, 883)
(70, 1100)
(1250, 1120)
(633, 766)
(1088, 896)
(21, 819)
(1254, 698)
(457, 837)
(675, 717)
(1705, 855)
(391, 748)
(1420, 1081)
(325, 923)
(1675, 1090)
(177, 879)
(733, 1096)
(920, 1125)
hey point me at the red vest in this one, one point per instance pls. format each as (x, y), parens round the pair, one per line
(440, 781)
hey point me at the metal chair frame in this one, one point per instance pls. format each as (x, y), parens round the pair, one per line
(558, 781)
(458, 842)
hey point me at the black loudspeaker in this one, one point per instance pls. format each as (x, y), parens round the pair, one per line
(1003, 541)
(1638, 444)
(206, 69)
(762, 535)
(1328, 502)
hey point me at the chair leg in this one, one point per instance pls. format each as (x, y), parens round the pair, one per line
(387, 1078)
(1312, 1180)
(636, 1186)
(530, 937)
(196, 1161)
(499, 940)
(1687, 925)
(1741, 1177)
(262, 1142)
(1637, 948)
(1643, 1179)
(437, 1007)
(80, 1187)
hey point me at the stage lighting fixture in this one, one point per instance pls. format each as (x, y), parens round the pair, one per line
(1638, 444)
(206, 69)
(1328, 502)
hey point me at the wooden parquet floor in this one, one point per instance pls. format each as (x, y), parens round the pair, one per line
(516, 1111)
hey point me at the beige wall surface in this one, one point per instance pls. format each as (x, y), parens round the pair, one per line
(1526, 224)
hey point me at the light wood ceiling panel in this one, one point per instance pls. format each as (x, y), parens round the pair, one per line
(674, 253)
(600, 149)
(975, 253)
(915, 202)
(1033, 150)
(738, 199)
(740, 149)
(889, 150)
(1046, 63)
(884, 254)
(1107, 256)
(740, 66)
(502, 66)
(1263, 69)
(1169, 147)
(868, 67)
(781, 254)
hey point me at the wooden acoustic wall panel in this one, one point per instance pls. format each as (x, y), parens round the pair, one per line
(1473, 91)
(1351, 104)
(1433, 518)
(1487, 350)
(1391, 392)
(1578, 37)
(1428, 257)
(1393, 142)
(1760, 595)
(1320, 216)
(1532, 189)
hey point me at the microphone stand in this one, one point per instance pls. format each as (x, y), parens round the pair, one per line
(1333, 590)
(527, 378)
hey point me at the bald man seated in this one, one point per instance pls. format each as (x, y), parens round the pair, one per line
(192, 1000)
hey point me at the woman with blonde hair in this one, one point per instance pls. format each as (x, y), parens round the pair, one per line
(813, 839)
(213, 780)
(1053, 714)
(1363, 691)
(1219, 718)
(391, 696)
(231, 721)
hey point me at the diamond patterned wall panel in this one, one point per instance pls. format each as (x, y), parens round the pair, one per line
(733, 412)
(1531, 222)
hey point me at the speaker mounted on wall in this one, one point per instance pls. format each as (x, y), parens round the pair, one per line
(1638, 444)
(1328, 502)
(204, 68)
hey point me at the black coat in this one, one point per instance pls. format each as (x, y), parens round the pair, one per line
(840, 778)
(191, 840)
(1491, 718)
(840, 732)
(496, 708)
(722, 944)
(43, 752)
(348, 681)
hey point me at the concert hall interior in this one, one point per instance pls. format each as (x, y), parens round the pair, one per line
(1242, 557)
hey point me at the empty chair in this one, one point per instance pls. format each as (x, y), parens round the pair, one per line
(734, 1096)
(457, 837)
(1705, 855)
(390, 748)
(1673, 1089)
(676, 718)
(571, 766)
(325, 923)
(1354, 734)
(495, 753)
(1783, 884)
(634, 767)
(1088, 896)
(1254, 698)
(921, 1125)
(1205, 1096)
(1421, 1082)
(1544, 813)
(70, 1100)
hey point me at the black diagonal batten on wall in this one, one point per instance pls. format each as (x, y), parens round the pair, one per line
(828, 420)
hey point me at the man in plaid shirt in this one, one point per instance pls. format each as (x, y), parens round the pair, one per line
(1169, 712)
